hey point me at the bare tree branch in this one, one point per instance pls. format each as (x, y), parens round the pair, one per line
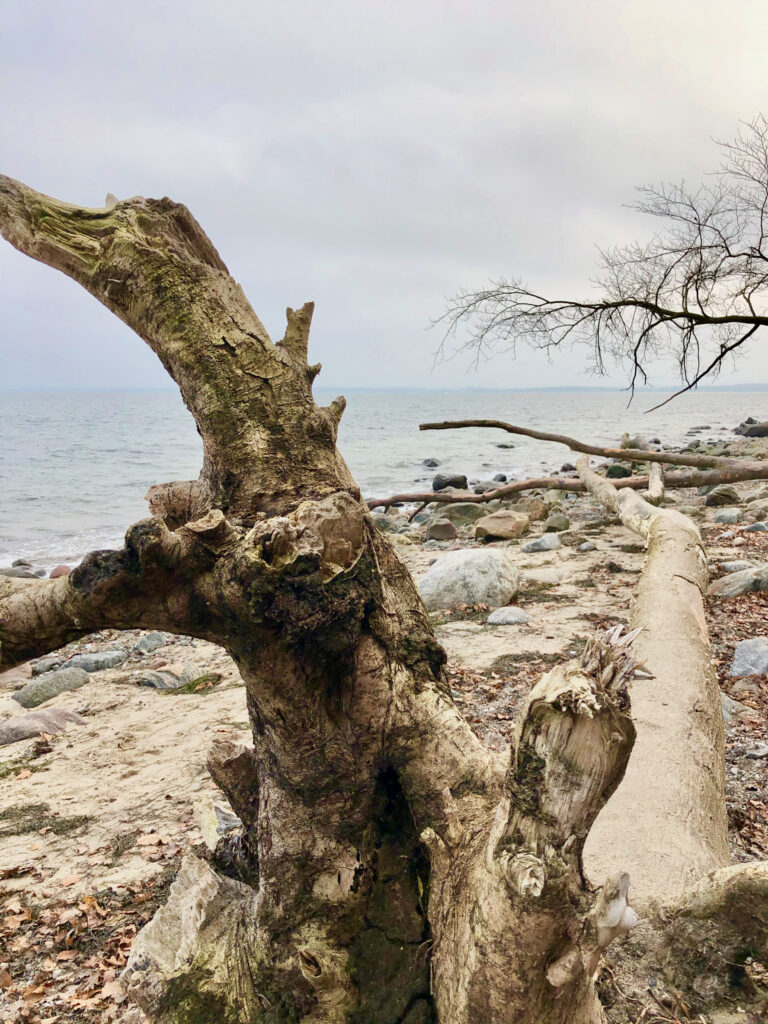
(688, 293)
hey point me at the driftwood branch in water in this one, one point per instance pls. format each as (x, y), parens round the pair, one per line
(630, 454)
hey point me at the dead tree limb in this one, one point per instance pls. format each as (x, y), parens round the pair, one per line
(677, 714)
(655, 492)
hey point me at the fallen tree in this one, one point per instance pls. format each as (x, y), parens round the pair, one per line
(388, 866)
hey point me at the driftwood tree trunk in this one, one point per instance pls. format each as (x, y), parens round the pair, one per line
(389, 867)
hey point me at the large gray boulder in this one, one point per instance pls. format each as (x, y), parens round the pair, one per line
(50, 685)
(455, 480)
(750, 657)
(470, 577)
(51, 721)
(746, 581)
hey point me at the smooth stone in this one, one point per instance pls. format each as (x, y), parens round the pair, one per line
(169, 678)
(758, 752)
(546, 577)
(45, 665)
(151, 641)
(473, 576)
(557, 523)
(505, 444)
(761, 494)
(460, 513)
(58, 571)
(50, 685)
(441, 529)
(728, 516)
(689, 510)
(50, 720)
(21, 563)
(549, 542)
(501, 478)
(483, 486)
(534, 508)
(444, 480)
(739, 543)
(723, 495)
(509, 615)
(736, 566)
(97, 661)
(747, 581)
(587, 546)
(756, 528)
(18, 573)
(390, 523)
(567, 467)
(747, 429)
(502, 525)
(431, 463)
(730, 707)
(750, 657)
(616, 471)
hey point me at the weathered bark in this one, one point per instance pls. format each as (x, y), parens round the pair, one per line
(388, 867)
(655, 493)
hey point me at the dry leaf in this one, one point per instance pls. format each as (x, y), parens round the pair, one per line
(70, 880)
(5, 979)
(67, 954)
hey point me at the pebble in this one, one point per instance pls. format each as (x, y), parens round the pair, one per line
(587, 546)
(730, 707)
(728, 515)
(51, 721)
(443, 480)
(59, 570)
(758, 752)
(557, 523)
(151, 641)
(756, 528)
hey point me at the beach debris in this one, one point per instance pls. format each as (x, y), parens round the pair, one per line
(50, 685)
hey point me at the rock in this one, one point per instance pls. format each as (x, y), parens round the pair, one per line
(750, 657)
(730, 707)
(501, 478)
(758, 752)
(444, 480)
(97, 661)
(473, 576)
(557, 523)
(567, 467)
(51, 720)
(441, 529)
(504, 444)
(736, 566)
(746, 581)
(728, 515)
(616, 470)
(21, 563)
(728, 535)
(18, 572)
(753, 429)
(50, 685)
(549, 542)
(45, 665)
(745, 686)
(544, 577)
(587, 546)
(460, 513)
(689, 510)
(759, 495)
(482, 486)
(431, 463)
(534, 508)
(739, 542)
(723, 495)
(509, 615)
(756, 528)
(390, 522)
(552, 497)
(502, 525)
(170, 678)
(151, 641)
(59, 570)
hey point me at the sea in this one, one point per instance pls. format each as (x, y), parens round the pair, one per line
(75, 466)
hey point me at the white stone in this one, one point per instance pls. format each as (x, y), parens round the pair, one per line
(507, 616)
(470, 577)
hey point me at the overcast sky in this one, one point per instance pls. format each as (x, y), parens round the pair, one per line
(374, 157)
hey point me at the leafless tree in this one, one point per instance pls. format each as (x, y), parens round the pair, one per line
(696, 290)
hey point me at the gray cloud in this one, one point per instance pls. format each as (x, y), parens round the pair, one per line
(374, 157)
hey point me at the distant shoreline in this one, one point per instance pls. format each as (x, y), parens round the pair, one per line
(356, 389)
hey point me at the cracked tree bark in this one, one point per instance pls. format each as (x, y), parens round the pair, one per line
(389, 867)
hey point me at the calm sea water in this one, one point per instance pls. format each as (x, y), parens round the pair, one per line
(74, 466)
